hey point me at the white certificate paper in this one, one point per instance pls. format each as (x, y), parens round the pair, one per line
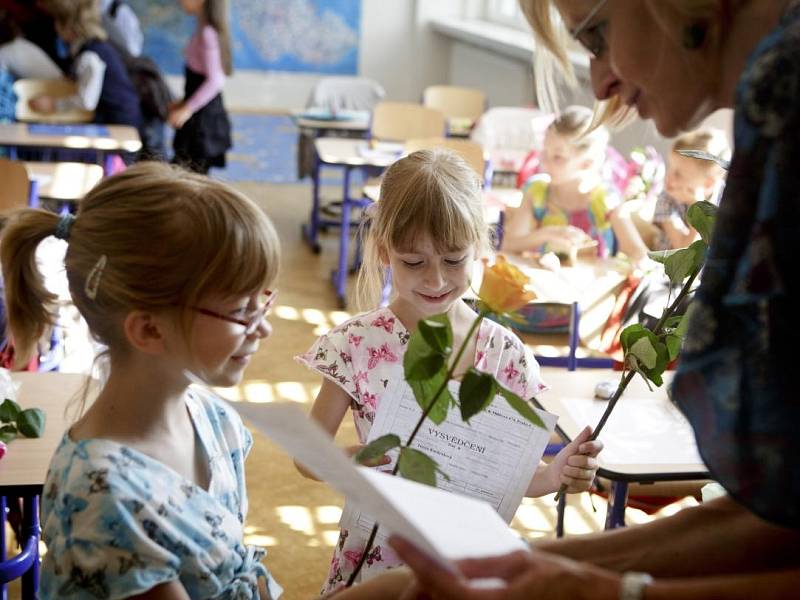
(491, 458)
(447, 526)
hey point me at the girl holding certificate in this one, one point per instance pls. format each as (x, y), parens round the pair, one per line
(428, 230)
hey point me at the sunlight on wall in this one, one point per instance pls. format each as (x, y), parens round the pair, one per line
(319, 524)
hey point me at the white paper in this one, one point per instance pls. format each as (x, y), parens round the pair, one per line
(433, 519)
(491, 458)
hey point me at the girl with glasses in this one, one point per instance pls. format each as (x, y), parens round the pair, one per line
(145, 495)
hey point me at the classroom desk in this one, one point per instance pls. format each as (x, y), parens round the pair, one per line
(647, 439)
(24, 467)
(63, 181)
(349, 154)
(116, 139)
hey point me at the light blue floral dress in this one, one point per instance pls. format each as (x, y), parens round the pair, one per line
(117, 522)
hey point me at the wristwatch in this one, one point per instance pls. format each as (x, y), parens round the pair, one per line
(633, 584)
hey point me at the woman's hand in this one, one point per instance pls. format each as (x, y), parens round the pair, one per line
(43, 104)
(520, 576)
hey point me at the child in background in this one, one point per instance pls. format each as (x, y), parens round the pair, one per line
(429, 229)
(565, 207)
(687, 180)
(203, 130)
(99, 72)
(146, 492)
(21, 57)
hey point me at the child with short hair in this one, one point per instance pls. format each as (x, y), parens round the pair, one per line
(428, 229)
(146, 491)
(203, 129)
(98, 70)
(687, 180)
(565, 207)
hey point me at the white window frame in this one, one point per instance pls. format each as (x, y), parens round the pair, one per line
(504, 12)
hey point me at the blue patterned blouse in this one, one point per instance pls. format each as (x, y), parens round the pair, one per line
(737, 380)
(117, 522)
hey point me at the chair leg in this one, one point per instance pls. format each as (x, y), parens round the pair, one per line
(617, 499)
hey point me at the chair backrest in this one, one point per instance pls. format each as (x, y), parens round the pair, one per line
(470, 151)
(25, 89)
(402, 121)
(509, 133)
(455, 102)
(15, 188)
(346, 93)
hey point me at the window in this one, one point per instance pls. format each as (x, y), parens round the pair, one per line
(505, 12)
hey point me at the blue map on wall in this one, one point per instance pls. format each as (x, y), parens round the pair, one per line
(317, 36)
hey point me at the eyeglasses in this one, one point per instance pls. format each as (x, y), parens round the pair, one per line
(250, 323)
(593, 37)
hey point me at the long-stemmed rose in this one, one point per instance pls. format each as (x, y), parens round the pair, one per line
(428, 369)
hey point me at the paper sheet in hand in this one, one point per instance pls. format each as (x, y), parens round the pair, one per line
(445, 525)
(491, 458)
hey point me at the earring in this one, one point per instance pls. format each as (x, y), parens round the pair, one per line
(694, 36)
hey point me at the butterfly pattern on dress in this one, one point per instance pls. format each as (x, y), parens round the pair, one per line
(376, 361)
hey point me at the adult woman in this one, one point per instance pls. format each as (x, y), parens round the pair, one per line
(675, 61)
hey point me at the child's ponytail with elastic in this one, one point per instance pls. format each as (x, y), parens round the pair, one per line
(30, 307)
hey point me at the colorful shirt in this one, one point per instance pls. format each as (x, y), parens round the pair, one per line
(593, 219)
(117, 522)
(736, 379)
(362, 356)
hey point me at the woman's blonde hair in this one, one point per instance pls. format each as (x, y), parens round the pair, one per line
(431, 193)
(81, 17)
(551, 32)
(153, 237)
(575, 123)
(215, 13)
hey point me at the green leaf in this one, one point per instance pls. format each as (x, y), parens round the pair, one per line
(661, 255)
(521, 406)
(682, 327)
(703, 155)
(436, 331)
(30, 422)
(679, 265)
(377, 448)
(8, 433)
(639, 354)
(422, 360)
(417, 466)
(476, 393)
(643, 350)
(9, 410)
(424, 389)
(673, 343)
(701, 216)
(424, 366)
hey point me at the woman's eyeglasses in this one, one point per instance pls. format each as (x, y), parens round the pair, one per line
(251, 322)
(592, 37)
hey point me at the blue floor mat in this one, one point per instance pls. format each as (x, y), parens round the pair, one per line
(264, 149)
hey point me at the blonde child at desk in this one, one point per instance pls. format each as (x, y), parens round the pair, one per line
(429, 230)
(566, 207)
(98, 69)
(687, 181)
(202, 126)
(145, 494)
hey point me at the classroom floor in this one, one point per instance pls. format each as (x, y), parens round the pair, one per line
(296, 519)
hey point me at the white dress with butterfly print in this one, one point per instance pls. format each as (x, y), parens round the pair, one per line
(117, 522)
(362, 356)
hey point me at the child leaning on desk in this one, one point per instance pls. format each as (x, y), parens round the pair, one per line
(428, 229)
(146, 491)
(98, 69)
(566, 207)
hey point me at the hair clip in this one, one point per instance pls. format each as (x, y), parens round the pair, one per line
(93, 279)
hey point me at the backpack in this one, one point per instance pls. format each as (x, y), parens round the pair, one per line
(155, 96)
